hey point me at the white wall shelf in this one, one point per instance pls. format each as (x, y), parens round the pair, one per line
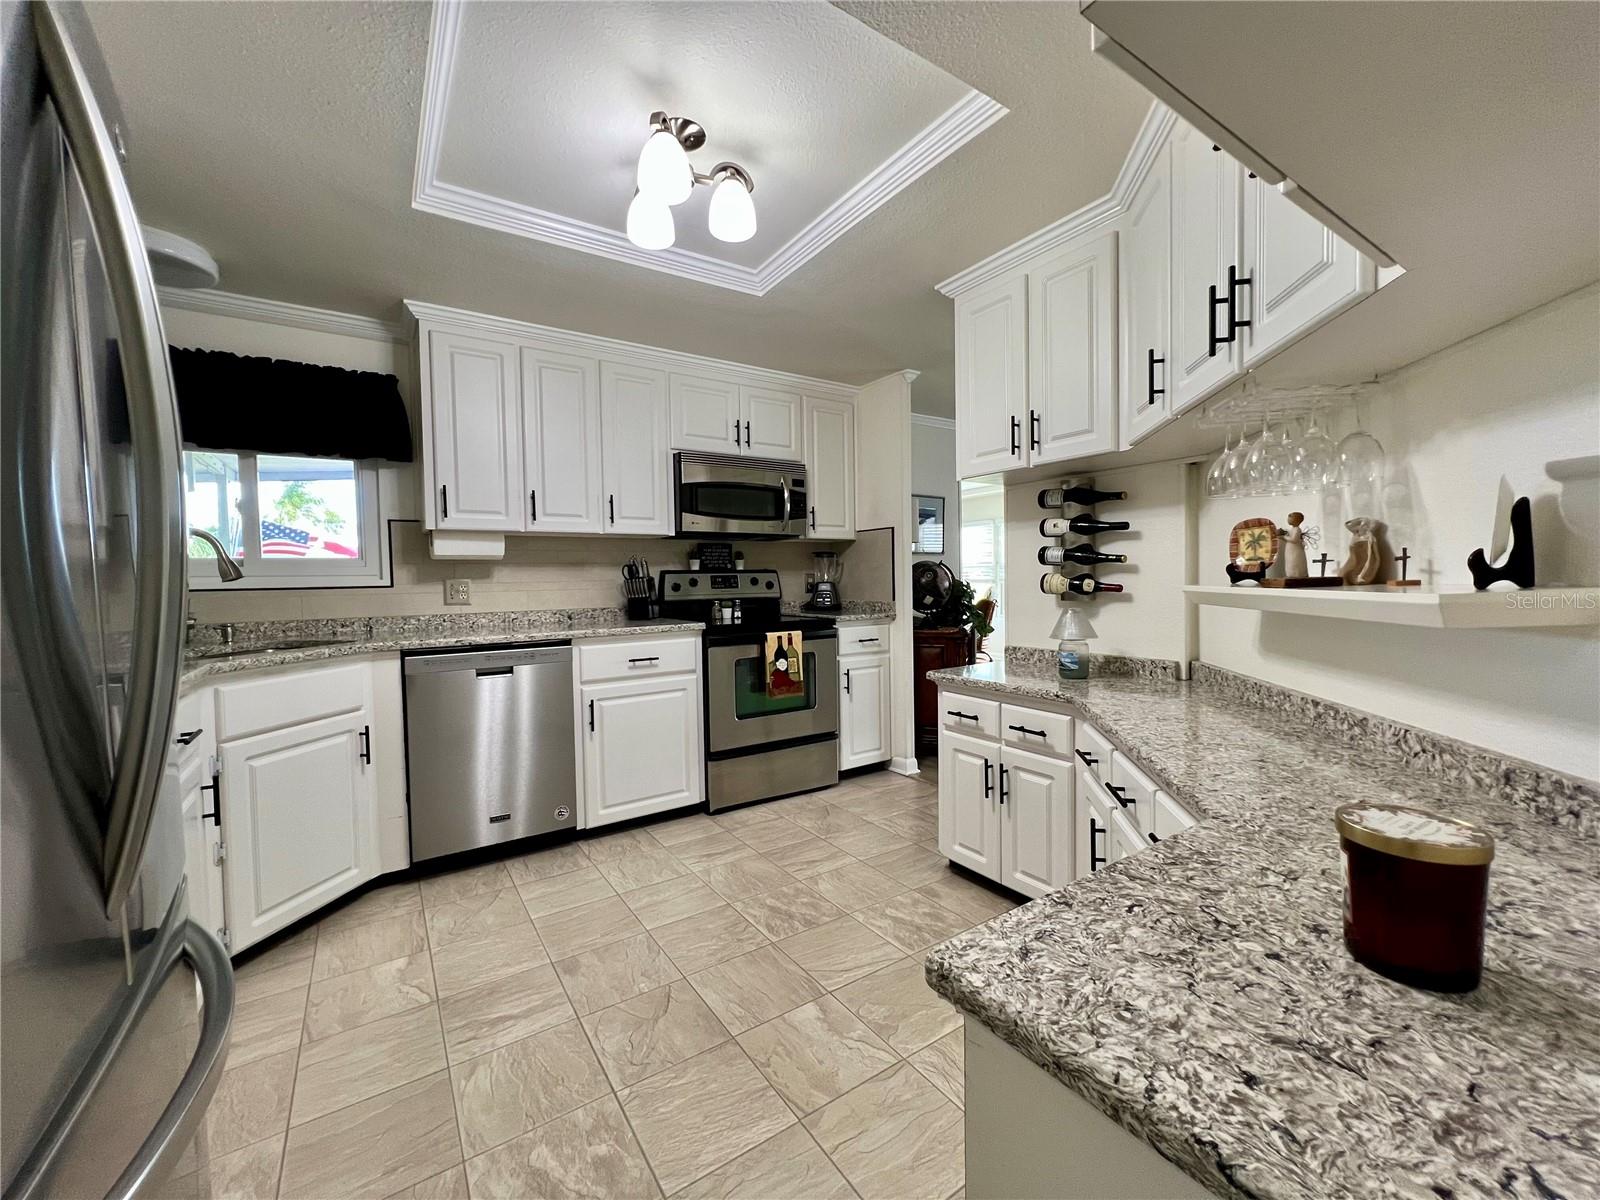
(1532, 608)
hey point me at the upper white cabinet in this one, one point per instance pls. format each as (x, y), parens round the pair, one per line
(561, 442)
(830, 458)
(705, 415)
(772, 424)
(1072, 349)
(475, 427)
(991, 377)
(1145, 303)
(1206, 287)
(635, 459)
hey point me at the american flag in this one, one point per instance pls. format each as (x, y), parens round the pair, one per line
(283, 541)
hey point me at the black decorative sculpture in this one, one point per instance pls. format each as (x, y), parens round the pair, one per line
(1518, 567)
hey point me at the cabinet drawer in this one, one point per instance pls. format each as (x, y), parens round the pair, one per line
(1134, 788)
(1126, 839)
(1093, 833)
(598, 661)
(193, 728)
(1035, 729)
(968, 714)
(1093, 750)
(1167, 817)
(863, 639)
(257, 705)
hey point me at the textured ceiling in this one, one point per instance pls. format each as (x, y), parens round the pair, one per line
(283, 138)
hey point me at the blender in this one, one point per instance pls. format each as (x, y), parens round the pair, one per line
(826, 570)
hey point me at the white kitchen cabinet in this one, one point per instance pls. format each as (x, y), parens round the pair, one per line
(1206, 193)
(1133, 790)
(991, 377)
(299, 818)
(474, 443)
(1168, 818)
(1144, 294)
(772, 424)
(1092, 841)
(1036, 807)
(636, 460)
(641, 747)
(1301, 273)
(865, 726)
(830, 458)
(1072, 352)
(969, 803)
(560, 442)
(1126, 839)
(705, 414)
(192, 763)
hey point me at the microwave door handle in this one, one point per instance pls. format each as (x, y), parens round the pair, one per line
(783, 482)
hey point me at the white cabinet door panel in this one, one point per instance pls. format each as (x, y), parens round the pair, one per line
(831, 468)
(1206, 185)
(1036, 822)
(772, 426)
(1072, 349)
(560, 442)
(991, 378)
(705, 415)
(641, 748)
(201, 838)
(969, 803)
(1144, 260)
(864, 722)
(637, 463)
(476, 431)
(1092, 835)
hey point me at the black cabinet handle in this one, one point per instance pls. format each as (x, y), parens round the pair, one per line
(1089, 760)
(961, 715)
(1153, 389)
(1096, 860)
(366, 744)
(533, 506)
(847, 682)
(591, 716)
(1025, 729)
(864, 641)
(747, 435)
(1004, 774)
(611, 508)
(444, 502)
(1033, 428)
(1216, 302)
(988, 779)
(652, 658)
(1154, 840)
(736, 431)
(188, 736)
(1016, 436)
(1234, 284)
(1118, 795)
(813, 518)
(215, 788)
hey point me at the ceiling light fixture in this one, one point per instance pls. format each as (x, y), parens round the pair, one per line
(665, 177)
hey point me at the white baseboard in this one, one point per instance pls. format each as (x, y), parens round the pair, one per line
(904, 766)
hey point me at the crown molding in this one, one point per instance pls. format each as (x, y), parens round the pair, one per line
(1152, 135)
(962, 122)
(278, 312)
(932, 422)
(593, 345)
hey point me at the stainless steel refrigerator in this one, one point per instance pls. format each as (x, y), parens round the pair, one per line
(114, 1007)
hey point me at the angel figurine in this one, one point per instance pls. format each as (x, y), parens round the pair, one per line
(1295, 540)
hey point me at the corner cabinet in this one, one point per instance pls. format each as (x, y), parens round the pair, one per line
(830, 458)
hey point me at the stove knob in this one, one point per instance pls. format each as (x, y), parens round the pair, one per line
(770, 585)
(694, 581)
(677, 587)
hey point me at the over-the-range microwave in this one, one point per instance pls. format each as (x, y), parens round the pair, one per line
(730, 496)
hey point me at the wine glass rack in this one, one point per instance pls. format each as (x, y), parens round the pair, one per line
(1251, 406)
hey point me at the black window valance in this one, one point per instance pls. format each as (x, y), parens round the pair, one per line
(273, 406)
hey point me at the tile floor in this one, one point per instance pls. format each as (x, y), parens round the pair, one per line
(726, 1005)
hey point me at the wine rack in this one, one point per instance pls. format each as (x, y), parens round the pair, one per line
(1068, 540)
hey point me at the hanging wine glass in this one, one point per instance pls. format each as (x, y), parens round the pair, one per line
(1312, 457)
(1217, 476)
(1234, 477)
(1359, 471)
(1257, 463)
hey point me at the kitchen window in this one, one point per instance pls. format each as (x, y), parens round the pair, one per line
(290, 521)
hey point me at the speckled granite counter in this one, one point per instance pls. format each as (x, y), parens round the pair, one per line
(856, 612)
(1200, 993)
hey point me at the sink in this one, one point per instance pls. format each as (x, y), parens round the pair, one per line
(277, 647)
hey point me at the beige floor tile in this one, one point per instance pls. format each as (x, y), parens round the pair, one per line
(710, 849)
(486, 957)
(863, 801)
(347, 1001)
(673, 900)
(574, 930)
(701, 1113)
(788, 910)
(911, 866)
(912, 824)
(612, 973)
(944, 1065)
(898, 1005)
(810, 857)
(517, 1087)
(280, 968)
(912, 922)
(970, 900)
(790, 1166)
(375, 1148)
(839, 952)
(864, 843)
(640, 869)
(855, 886)
(266, 1025)
(469, 881)
(745, 877)
(829, 822)
(612, 846)
(652, 1031)
(247, 1174)
(384, 901)
(700, 941)
(546, 864)
(750, 814)
(473, 915)
(682, 829)
(589, 1152)
(340, 951)
(770, 833)
(251, 1103)
(815, 1053)
(755, 987)
(503, 1011)
(894, 1136)
(446, 1185)
(346, 1068)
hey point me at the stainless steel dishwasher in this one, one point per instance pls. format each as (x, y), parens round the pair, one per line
(490, 747)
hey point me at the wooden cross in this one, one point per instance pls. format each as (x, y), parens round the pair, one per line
(1322, 561)
(1403, 558)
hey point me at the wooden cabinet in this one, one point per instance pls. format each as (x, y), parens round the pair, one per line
(772, 424)
(1144, 295)
(641, 747)
(1036, 822)
(705, 415)
(969, 803)
(560, 442)
(636, 462)
(865, 705)
(991, 378)
(1206, 194)
(934, 650)
(474, 440)
(830, 458)
(1072, 348)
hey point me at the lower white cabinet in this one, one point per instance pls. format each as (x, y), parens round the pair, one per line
(202, 839)
(1093, 825)
(864, 706)
(1035, 821)
(969, 807)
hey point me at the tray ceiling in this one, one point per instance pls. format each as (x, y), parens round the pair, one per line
(533, 116)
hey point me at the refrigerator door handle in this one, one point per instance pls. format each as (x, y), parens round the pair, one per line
(158, 531)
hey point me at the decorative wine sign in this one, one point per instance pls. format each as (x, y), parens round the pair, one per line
(1252, 549)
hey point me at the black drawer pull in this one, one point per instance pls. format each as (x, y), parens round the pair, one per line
(1215, 303)
(366, 744)
(847, 680)
(1025, 729)
(214, 787)
(444, 502)
(188, 736)
(1089, 760)
(1016, 436)
(1154, 840)
(1118, 794)
(988, 779)
(864, 641)
(1033, 429)
(533, 506)
(961, 715)
(1004, 773)
(1153, 389)
(650, 659)
(591, 716)
(1096, 860)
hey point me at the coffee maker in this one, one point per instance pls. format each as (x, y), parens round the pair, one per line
(826, 571)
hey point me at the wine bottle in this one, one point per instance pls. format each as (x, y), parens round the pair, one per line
(1056, 497)
(1054, 556)
(1086, 525)
(1080, 585)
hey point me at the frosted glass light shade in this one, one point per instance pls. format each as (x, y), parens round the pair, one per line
(733, 212)
(1072, 626)
(664, 171)
(650, 223)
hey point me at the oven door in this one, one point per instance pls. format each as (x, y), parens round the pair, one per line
(740, 713)
(735, 497)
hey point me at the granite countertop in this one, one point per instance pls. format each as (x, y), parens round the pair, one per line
(855, 612)
(1200, 993)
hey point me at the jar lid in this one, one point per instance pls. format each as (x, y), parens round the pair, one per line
(1414, 833)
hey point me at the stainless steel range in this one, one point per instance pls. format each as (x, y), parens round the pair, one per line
(759, 745)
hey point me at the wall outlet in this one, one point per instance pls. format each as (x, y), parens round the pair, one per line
(458, 591)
